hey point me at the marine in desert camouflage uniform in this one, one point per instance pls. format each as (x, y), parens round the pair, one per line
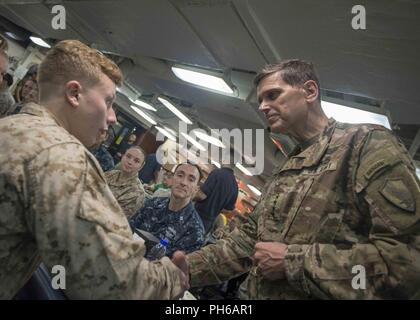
(349, 196)
(54, 201)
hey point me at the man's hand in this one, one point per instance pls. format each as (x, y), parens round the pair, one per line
(269, 258)
(180, 260)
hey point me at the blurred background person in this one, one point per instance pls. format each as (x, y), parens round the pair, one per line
(218, 193)
(163, 189)
(29, 93)
(101, 154)
(124, 182)
(4, 60)
(32, 74)
(124, 146)
(149, 173)
(6, 98)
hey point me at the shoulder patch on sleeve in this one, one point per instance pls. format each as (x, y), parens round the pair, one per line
(397, 193)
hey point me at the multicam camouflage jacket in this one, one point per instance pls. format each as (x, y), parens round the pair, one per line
(128, 192)
(350, 201)
(55, 206)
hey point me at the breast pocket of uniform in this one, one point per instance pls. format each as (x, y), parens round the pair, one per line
(328, 227)
(315, 206)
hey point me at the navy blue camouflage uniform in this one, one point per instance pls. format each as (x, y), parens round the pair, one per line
(183, 229)
(104, 158)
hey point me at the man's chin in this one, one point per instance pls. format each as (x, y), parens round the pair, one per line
(179, 194)
(278, 129)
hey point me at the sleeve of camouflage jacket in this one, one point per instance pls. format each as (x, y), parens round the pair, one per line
(77, 223)
(227, 258)
(132, 201)
(388, 265)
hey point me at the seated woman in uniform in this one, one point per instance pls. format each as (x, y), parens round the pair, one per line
(124, 182)
(29, 93)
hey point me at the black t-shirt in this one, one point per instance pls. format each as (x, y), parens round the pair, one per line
(221, 190)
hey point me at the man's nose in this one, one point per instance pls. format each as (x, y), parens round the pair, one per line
(264, 107)
(111, 117)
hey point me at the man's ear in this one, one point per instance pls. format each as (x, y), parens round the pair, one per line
(72, 92)
(311, 90)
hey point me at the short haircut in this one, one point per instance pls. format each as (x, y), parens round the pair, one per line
(72, 60)
(200, 175)
(294, 72)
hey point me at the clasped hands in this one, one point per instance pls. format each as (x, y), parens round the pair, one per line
(268, 260)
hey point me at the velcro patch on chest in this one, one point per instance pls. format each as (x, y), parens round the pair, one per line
(375, 167)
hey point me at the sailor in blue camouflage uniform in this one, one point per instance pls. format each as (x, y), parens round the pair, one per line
(104, 158)
(174, 218)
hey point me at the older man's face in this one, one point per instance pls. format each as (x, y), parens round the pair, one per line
(283, 105)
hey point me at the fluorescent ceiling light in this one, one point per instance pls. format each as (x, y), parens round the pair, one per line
(144, 105)
(209, 139)
(253, 189)
(39, 42)
(144, 115)
(193, 141)
(243, 169)
(166, 133)
(217, 164)
(12, 35)
(352, 115)
(170, 130)
(175, 111)
(202, 79)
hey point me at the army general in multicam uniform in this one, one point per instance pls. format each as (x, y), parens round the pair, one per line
(349, 197)
(55, 205)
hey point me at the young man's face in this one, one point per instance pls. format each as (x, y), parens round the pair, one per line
(132, 160)
(93, 111)
(283, 105)
(185, 181)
